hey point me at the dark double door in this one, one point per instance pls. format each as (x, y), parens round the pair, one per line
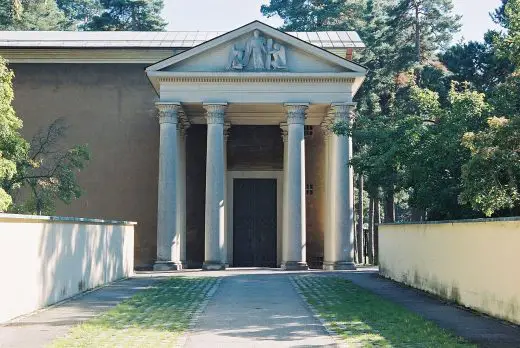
(254, 223)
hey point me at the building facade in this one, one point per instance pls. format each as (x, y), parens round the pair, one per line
(222, 151)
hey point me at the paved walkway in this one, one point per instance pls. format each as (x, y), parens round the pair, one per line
(41, 328)
(257, 310)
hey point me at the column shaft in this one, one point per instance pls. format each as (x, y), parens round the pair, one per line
(285, 203)
(328, 237)
(340, 239)
(168, 236)
(294, 246)
(181, 194)
(215, 202)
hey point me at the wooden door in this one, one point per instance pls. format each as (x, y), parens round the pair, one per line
(254, 222)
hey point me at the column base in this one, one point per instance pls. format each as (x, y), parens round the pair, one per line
(294, 266)
(339, 266)
(165, 266)
(213, 266)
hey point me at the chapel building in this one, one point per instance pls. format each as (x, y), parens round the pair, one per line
(218, 144)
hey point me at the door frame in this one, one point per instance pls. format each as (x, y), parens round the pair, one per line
(250, 174)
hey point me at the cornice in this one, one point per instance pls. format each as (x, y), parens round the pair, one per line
(84, 55)
(256, 79)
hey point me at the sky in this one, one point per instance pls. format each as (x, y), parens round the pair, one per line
(225, 15)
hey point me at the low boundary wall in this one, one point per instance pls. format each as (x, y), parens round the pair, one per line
(473, 262)
(44, 259)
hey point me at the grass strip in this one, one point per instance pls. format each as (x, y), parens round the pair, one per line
(363, 319)
(155, 317)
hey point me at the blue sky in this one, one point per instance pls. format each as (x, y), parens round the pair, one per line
(224, 15)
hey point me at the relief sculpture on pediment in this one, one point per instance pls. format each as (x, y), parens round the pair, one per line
(258, 54)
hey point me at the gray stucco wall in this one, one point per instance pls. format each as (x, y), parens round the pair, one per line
(111, 108)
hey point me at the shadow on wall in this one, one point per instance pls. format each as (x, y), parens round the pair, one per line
(77, 257)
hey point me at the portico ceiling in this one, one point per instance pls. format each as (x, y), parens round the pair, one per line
(254, 114)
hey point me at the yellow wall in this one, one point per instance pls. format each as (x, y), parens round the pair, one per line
(43, 261)
(475, 263)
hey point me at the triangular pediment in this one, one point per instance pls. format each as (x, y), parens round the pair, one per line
(257, 47)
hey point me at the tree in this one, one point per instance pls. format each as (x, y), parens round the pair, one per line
(418, 28)
(305, 15)
(509, 44)
(79, 12)
(31, 15)
(49, 171)
(12, 146)
(133, 15)
(491, 177)
(478, 63)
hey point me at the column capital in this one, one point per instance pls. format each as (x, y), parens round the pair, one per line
(296, 112)
(215, 112)
(285, 131)
(343, 111)
(184, 123)
(326, 124)
(169, 112)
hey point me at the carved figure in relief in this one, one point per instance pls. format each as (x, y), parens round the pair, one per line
(256, 51)
(279, 59)
(236, 59)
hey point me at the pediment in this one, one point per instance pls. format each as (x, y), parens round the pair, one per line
(256, 47)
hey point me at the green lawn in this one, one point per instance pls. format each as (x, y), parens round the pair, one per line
(363, 319)
(155, 317)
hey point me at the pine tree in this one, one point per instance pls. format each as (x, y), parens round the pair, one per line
(132, 15)
(419, 28)
(31, 15)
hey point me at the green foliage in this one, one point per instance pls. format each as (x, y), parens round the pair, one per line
(136, 15)
(133, 15)
(478, 63)
(418, 28)
(13, 147)
(491, 177)
(509, 44)
(50, 170)
(31, 15)
(305, 15)
(79, 12)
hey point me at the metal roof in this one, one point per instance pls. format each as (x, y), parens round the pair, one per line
(163, 39)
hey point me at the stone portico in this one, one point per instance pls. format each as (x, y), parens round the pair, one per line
(255, 76)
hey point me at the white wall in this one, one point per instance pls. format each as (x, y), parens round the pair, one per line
(475, 263)
(44, 260)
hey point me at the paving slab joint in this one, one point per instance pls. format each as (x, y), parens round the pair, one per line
(181, 342)
(326, 326)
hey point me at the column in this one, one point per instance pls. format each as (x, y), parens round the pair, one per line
(181, 185)
(226, 257)
(328, 240)
(294, 252)
(168, 236)
(285, 138)
(339, 241)
(215, 208)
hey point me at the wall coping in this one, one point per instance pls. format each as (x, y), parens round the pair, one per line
(39, 218)
(503, 219)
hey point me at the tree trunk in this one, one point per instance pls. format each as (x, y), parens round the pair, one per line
(389, 206)
(417, 34)
(359, 234)
(370, 241)
(377, 220)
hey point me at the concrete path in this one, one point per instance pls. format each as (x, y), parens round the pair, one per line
(482, 330)
(41, 328)
(257, 310)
